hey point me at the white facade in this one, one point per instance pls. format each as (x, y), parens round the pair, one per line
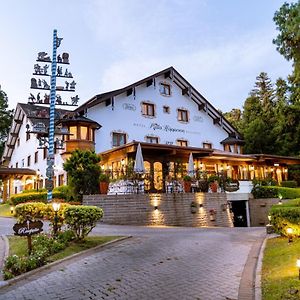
(125, 116)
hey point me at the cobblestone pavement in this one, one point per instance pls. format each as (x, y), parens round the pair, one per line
(156, 263)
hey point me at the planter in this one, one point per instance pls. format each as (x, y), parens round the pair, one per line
(187, 186)
(103, 187)
(212, 217)
(213, 186)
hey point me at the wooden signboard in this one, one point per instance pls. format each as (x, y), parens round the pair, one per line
(28, 228)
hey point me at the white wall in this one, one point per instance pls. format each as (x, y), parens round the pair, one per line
(199, 129)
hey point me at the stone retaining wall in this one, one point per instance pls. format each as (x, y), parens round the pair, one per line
(172, 209)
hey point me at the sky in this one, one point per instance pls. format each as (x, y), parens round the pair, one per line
(218, 46)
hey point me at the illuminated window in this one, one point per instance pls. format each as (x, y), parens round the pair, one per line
(182, 143)
(165, 89)
(182, 115)
(148, 109)
(152, 139)
(84, 133)
(73, 132)
(207, 145)
(119, 139)
(61, 179)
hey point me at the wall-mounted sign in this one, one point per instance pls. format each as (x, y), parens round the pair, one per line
(168, 128)
(129, 106)
(28, 228)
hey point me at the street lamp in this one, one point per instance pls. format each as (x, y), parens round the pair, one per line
(56, 207)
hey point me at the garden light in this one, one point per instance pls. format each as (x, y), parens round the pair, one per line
(11, 209)
(56, 207)
(269, 218)
(298, 266)
(289, 232)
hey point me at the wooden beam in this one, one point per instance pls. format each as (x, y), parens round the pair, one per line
(129, 92)
(13, 134)
(201, 106)
(217, 120)
(108, 102)
(168, 74)
(185, 91)
(18, 121)
(11, 146)
(149, 82)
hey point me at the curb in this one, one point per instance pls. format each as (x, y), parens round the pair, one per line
(248, 279)
(82, 254)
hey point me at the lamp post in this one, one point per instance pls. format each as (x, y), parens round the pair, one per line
(289, 232)
(56, 207)
(298, 265)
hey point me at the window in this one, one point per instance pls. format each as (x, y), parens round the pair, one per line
(61, 179)
(207, 145)
(182, 115)
(23, 163)
(73, 132)
(166, 109)
(152, 139)
(28, 161)
(148, 109)
(165, 89)
(84, 133)
(119, 139)
(18, 142)
(17, 165)
(45, 152)
(27, 136)
(182, 143)
(36, 157)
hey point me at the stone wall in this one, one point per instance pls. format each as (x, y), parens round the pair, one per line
(259, 210)
(162, 209)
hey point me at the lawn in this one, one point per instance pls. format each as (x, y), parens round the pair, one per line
(5, 210)
(279, 272)
(18, 246)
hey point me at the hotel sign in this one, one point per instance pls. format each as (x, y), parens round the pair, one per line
(28, 228)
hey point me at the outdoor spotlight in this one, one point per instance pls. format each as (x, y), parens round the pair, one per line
(289, 232)
(200, 205)
(155, 207)
(11, 209)
(298, 266)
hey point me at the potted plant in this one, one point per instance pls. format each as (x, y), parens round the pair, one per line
(213, 183)
(187, 183)
(212, 214)
(193, 207)
(104, 182)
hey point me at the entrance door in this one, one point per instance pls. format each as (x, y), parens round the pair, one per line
(239, 212)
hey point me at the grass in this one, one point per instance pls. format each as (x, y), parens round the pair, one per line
(5, 210)
(279, 271)
(18, 246)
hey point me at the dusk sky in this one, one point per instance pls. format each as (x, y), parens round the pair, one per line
(218, 46)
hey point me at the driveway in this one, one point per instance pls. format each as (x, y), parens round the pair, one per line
(156, 263)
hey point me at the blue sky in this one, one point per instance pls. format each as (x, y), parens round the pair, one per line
(218, 46)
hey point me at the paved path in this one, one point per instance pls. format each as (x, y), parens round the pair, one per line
(157, 263)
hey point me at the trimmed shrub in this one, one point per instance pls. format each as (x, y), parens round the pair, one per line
(286, 216)
(35, 197)
(275, 191)
(82, 219)
(289, 183)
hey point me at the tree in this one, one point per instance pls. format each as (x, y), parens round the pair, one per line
(287, 19)
(83, 172)
(234, 117)
(6, 116)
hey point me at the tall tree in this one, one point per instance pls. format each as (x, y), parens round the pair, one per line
(83, 172)
(287, 19)
(234, 117)
(6, 116)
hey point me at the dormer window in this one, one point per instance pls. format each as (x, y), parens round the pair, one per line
(182, 143)
(165, 89)
(207, 145)
(152, 139)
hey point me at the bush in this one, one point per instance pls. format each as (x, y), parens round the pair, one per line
(286, 216)
(82, 219)
(35, 197)
(289, 183)
(275, 191)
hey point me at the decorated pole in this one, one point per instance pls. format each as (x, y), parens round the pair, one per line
(50, 158)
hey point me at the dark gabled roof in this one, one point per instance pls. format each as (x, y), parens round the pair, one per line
(187, 89)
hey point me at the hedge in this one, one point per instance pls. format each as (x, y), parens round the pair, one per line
(286, 216)
(275, 192)
(289, 183)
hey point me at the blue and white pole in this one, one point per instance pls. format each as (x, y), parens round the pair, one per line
(50, 159)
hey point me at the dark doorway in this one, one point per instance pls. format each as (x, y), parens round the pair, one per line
(239, 212)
